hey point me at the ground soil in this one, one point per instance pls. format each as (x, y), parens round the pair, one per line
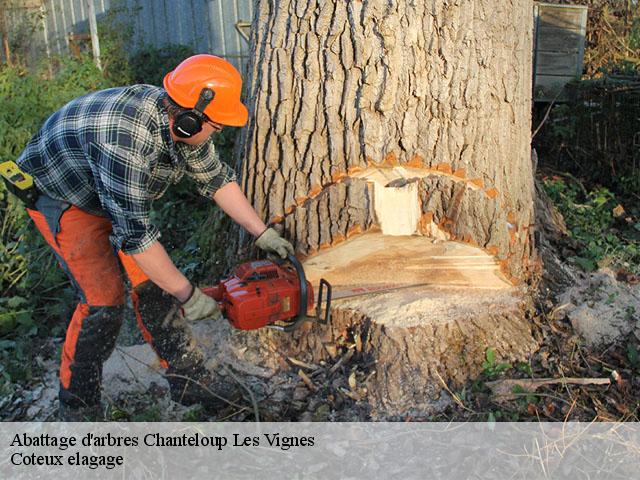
(134, 388)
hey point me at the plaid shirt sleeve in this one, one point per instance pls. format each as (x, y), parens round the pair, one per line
(122, 178)
(204, 166)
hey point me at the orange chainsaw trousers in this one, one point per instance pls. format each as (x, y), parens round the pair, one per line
(81, 243)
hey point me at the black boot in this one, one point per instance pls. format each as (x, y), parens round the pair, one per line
(80, 401)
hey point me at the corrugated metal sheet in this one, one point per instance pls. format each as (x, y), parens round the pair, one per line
(205, 25)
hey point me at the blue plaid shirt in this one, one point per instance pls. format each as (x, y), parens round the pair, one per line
(110, 153)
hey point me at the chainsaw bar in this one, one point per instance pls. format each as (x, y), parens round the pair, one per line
(344, 293)
(371, 289)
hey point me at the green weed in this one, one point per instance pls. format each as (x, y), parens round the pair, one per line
(491, 367)
(603, 239)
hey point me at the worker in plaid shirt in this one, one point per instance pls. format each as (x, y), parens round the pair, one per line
(97, 164)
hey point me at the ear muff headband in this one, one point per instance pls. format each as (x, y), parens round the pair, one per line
(189, 122)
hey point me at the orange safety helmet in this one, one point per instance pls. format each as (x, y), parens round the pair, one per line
(186, 82)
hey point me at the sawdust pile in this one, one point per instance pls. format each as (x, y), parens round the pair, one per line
(602, 309)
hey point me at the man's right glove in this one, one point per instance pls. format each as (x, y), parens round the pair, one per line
(271, 241)
(200, 306)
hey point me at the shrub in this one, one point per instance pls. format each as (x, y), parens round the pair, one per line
(590, 216)
(150, 64)
(29, 99)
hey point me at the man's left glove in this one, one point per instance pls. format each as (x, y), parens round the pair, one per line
(271, 241)
(200, 306)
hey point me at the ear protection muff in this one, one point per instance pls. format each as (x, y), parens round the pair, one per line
(189, 122)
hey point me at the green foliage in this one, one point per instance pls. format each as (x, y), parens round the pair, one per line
(595, 135)
(589, 217)
(195, 414)
(150, 64)
(524, 368)
(116, 414)
(491, 367)
(150, 414)
(613, 33)
(30, 98)
(15, 365)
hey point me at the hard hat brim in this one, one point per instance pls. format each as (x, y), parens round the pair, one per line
(237, 119)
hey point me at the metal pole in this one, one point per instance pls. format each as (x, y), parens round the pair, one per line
(93, 28)
(45, 33)
(4, 31)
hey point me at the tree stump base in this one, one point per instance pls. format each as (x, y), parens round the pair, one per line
(449, 303)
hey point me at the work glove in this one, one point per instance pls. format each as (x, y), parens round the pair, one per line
(200, 306)
(271, 241)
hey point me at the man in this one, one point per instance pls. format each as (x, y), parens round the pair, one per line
(97, 164)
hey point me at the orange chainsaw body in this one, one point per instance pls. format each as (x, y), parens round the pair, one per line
(260, 293)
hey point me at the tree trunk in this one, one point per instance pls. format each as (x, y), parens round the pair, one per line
(390, 141)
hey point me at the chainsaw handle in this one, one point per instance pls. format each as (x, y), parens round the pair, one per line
(304, 295)
(304, 298)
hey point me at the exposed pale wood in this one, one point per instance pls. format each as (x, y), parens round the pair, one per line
(376, 259)
(405, 353)
(354, 101)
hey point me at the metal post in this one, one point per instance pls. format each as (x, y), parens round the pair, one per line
(93, 28)
(4, 31)
(45, 34)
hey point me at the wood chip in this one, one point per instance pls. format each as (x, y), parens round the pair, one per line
(301, 364)
(344, 359)
(548, 409)
(331, 349)
(352, 395)
(307, 381)
(352, 381)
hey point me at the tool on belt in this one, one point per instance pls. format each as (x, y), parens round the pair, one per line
(19, 183)
(273, 295)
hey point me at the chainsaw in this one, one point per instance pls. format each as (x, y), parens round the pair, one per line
(268, 294)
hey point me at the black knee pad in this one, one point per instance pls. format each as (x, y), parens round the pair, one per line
(96, 341)
(171, 336)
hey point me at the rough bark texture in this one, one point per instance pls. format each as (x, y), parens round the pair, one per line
(444, 86)
(342, 92)
(409, 366)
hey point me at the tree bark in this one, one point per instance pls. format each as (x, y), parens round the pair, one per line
(366, 111)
